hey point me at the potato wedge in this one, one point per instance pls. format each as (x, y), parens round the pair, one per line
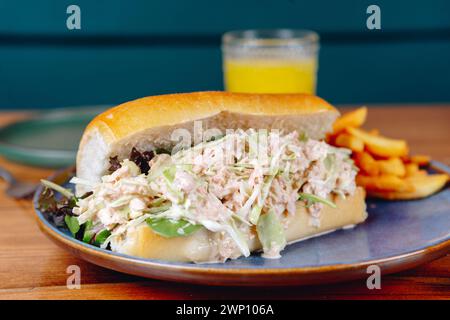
(346, 140)
(366, 163)
(424, 186)
(385, 182)
(355, 118)
(420, 159)
(379, 145)
(393, 166)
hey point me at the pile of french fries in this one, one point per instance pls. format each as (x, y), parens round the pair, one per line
(386, 170)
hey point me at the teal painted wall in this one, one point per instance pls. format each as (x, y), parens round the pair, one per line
(129, 49)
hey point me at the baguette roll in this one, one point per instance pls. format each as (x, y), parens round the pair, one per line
(148, 124)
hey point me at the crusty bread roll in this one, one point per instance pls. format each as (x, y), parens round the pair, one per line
(202, 247)
(149, 122)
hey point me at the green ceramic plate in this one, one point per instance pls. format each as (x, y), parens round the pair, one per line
(47, 139)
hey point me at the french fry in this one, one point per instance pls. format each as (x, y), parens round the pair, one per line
(385, 182)
(379, 145)
(423, 186)
(406, 159)
(393, 166)
(330, 138)
(411, 169)
(420, 159)
(355, 118)
(386, 169)
(421, 173)
(367, 163)
(348, 141)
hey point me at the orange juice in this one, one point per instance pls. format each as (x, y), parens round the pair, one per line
(270, 60)
(271, 75)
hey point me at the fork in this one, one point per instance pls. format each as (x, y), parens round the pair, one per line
(17, 189)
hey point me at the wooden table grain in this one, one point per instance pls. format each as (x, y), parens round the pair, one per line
(32, 267)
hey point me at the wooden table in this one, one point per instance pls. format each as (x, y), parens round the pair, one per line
(32, 267)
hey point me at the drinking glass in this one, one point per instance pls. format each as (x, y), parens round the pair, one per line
(270, 61)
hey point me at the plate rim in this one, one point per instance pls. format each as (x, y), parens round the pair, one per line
(191, 274)
(63, 157)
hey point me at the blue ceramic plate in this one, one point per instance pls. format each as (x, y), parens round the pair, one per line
(397, 235)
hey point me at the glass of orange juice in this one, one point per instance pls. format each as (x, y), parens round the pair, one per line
(270, 61)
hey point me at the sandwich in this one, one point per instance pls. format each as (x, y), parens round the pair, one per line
(210, 176)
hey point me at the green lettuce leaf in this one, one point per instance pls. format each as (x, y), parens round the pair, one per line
(169, 228)
(72, 224)
(311, 199)
(270, 231)
(100, 237)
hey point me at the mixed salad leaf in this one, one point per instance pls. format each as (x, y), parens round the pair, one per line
(59, 209)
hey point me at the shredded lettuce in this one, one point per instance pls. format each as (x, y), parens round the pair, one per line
(329, 161)
(158, 209)
(157, 202)
(303, 137)
(243, 211)
(51, 185)
(87, 215)
(169, 173)
(132, 167)
(271, 233)
(76, 180)
(238, 237)
(232, 231)
(254, 214)
(169, 228)
(345, 151)
(240, 219)
(256, 211)
(169, 176)
(311, 199)
(121, 201)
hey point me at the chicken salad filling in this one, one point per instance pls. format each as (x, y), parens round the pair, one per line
(242, 185)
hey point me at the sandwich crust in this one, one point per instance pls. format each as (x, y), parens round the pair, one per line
(171, 109)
